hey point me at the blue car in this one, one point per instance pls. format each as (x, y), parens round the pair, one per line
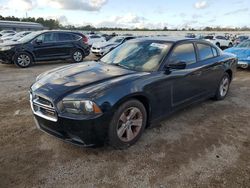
(242, 51)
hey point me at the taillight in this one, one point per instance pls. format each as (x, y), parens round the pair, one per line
(85, 39)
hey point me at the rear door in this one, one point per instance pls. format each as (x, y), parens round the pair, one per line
(65, 43)
(209, 61)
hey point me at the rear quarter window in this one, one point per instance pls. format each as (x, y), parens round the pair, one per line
(64, 37)
(205, 51)
(75, 37)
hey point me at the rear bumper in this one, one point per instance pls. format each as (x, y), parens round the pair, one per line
(84, 133)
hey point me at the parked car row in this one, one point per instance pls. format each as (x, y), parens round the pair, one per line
(13, 36)
(221, 41)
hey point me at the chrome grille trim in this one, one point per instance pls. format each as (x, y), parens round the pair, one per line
(46, 111)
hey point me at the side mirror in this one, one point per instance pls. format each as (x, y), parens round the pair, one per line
(179, 65)
(38, 41)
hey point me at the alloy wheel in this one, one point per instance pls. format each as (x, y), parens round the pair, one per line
(77, 56)
(224, 86)
(23, 60)
(129, 124)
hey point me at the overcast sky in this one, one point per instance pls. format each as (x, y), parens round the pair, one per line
(135, 13)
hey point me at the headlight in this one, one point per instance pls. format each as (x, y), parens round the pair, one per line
(83, 107)
(5, 48)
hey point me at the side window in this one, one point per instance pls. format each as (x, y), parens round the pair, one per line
(183, 53)
(75, 37)
(64, 37)
(47, 37)
(205, 51)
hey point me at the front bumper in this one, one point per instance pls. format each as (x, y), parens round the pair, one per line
(7, 56)
(85, 133)
(98, 51)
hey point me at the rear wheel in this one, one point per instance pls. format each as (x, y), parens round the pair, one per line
(77, 56)
(218, 44)
(23, 60)
(127, 125)
(223, 88)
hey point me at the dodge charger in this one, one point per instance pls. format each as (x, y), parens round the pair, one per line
(136, 85)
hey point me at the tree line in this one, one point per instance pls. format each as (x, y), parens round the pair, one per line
(55, 24)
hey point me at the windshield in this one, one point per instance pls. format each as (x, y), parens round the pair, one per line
(29, 37)
(138, 55)
(116, 39)
(245, 44)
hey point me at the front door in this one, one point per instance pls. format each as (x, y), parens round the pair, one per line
(44, 46)
(185, 83)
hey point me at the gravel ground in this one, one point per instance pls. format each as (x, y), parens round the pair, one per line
(206, 145)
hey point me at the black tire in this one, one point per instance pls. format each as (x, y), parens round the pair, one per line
(23, 60)
(118, 142)
(219, 95)
(77, 56)
(230, 45)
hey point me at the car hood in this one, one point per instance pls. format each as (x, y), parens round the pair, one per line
(104, 44)
(241, 53)
(10, 43)
(65, 80)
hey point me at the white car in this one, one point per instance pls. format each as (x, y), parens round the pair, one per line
(95, 38)
(15, 37)
(101, 48)
(219, 41)
(6, 36)
(3, 32)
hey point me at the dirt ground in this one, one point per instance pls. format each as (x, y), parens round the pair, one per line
(206, 145)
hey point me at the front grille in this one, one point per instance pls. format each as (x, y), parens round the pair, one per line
(43, 107)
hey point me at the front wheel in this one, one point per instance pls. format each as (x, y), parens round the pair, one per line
(128, 124)
(23, 60)
(77, 56)
(223, 88)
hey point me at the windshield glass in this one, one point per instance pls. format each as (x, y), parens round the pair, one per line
(138, 55)
(29, 37)
(117, 39)
(245, 44)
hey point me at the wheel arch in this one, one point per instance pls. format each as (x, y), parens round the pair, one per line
(25, 51)
(230, 73)
(141, 98)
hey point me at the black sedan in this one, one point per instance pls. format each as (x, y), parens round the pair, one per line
(132, 87)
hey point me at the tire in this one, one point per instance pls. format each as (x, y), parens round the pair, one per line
(223, 87)
(23, 60)
(122, 122)
(230, 45)
(77, 56)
